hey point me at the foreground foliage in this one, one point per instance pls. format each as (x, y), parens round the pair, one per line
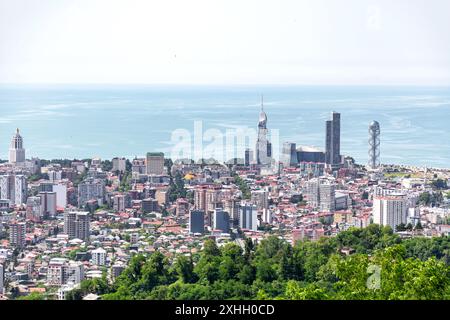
(382, 266)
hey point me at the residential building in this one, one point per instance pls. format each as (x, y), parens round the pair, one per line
(390, 210)
(99, 257)
(155, 163)
(77, 225)
(119, 164)
(91, 189)
(17, 231)
(248, 217)
(182, 207)
(320, 194)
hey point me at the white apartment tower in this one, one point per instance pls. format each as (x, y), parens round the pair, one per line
(390, 210)
(13, 188)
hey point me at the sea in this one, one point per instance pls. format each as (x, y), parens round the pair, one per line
(85, 121)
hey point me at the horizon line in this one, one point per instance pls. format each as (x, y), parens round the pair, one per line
(244, 84)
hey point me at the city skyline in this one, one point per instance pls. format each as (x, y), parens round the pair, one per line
(330, 149)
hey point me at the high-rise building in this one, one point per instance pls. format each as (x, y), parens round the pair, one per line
(20, 189)
(212, 198)
(119, 164)
(221, 220)
(232, 206)
(60, 271)
(263, 146)
(2, 279)
(248, 157)
(333, 141)
(206, 198)
(248, 217)
(149, 205)
(17, 234)
(61, 194)
(91, 189)
(34, 209)
(289, 155)
(16, 151)
(197, 221)
(390, 210)
(7, 187)
(200, 198)
(321, 193)
(155, 163)
(48, 204)
(14, 188)
(374, 145)
(77, 225)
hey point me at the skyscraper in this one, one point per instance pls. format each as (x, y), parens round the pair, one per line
(248, 217)
(48, 204)
(333, 141)
(263, 146)
(155, 163)
(13, 188)
(221, 220)
(16, 151)
(2, 278)
(20, 189)
(374, 145)
(197, 221)
(34, 209)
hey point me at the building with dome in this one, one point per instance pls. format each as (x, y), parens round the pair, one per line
(16, 151)
(263, 146)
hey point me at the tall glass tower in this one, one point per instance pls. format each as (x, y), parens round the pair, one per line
(333, 141)
(263, 146)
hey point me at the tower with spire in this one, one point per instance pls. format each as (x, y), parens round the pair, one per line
(16, 150)
(263, 146)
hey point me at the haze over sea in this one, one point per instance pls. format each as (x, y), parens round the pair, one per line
(106, 121)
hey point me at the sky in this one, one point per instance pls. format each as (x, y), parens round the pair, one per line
(335, 42)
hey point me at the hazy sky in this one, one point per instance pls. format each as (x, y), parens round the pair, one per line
(225, 42)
